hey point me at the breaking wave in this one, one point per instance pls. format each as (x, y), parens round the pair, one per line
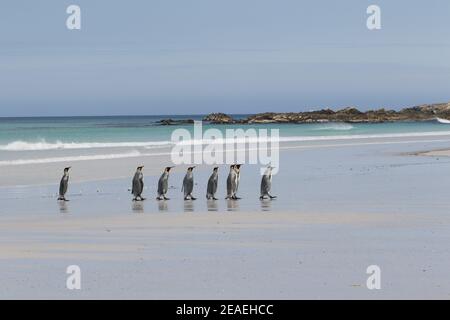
(334, 127)
(58, 145)
(70, 159)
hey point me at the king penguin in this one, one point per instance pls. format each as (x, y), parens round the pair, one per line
(266, 184)
(238, 179)
(212, 185)
(163, 184)
(138, 184)
(64, 184)
(231, 183)
(188, 184)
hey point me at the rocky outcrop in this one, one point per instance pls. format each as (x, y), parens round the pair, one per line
(218, 118)
(171, 122)
(350, 114)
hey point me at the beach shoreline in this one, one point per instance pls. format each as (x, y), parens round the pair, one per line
(155, 160)
(342, 206)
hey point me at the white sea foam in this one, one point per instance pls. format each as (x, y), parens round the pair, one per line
(443, 121)
(334, 127)
(316, 138)
(43, 145)
(132, 154)
(58, 145)
(364, 140)
(365, 136)
(22, 146)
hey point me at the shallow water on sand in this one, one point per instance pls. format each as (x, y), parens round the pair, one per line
(362, 178)
(350, 206)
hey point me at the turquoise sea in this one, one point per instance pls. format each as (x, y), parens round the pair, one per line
(22, 138)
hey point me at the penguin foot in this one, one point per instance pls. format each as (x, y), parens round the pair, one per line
(214, 198)
(193, 198)
(186, 198)
(273, 197)
(165, 198)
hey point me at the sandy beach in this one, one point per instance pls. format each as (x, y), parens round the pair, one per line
(435, 153)
(341, 207)
(330, 119)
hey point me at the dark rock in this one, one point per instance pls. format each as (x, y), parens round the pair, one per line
(171, 122)
(350, 114)
(218, 118)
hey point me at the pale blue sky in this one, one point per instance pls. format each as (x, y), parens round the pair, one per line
(235, 56)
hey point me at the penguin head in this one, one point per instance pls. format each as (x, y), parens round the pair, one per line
(190, 169)
(232, 167)
(238, 166)
(269, 169)
(140, 168)
(66, 170)
(167, 169)
(216, 169)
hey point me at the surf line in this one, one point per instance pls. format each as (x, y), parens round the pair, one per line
(356, 144)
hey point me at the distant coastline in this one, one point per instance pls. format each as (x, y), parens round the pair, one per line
(426, 112)
(351, 114)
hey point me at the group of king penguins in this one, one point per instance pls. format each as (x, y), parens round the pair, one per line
(188, 184)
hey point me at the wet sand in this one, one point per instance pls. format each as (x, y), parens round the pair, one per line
(435, 153)
(340, 209)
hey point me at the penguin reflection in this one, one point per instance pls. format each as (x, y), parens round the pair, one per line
(163, 206)
(232, 205)
(138, 206)
(188, 206)
(212, 205)
(63, 207)
(266, 205)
